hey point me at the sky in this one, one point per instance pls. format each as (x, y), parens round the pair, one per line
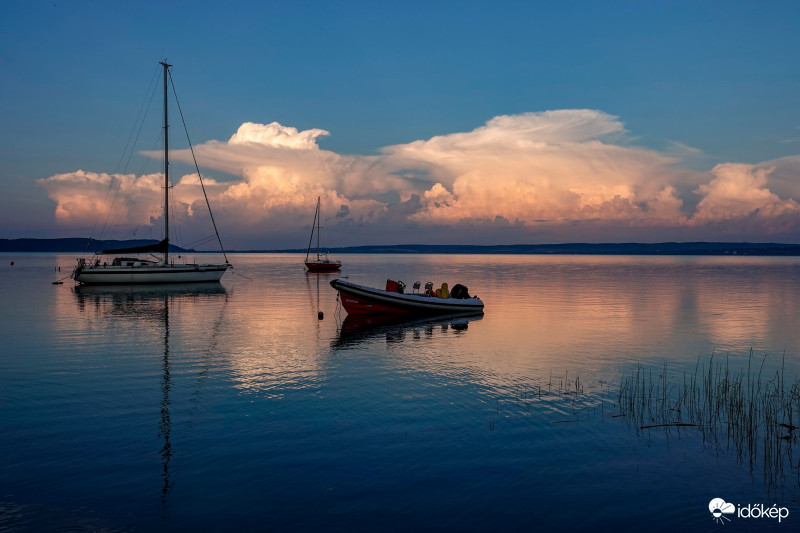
(452, 122)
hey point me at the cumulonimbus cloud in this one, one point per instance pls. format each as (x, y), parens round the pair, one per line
(550, 166)
(554, 170)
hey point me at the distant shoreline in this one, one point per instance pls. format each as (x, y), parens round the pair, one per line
(79, 246)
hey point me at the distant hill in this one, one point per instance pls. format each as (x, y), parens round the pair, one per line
(79, 245)
(83, 245)
(663, 248)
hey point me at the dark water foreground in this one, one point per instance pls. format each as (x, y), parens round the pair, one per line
(595, 393)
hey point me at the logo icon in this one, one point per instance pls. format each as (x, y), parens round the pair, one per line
(719, 508)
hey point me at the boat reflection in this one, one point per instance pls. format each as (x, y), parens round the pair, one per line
(142, 302)
(151, 302)
(116, 295)
(360, 329)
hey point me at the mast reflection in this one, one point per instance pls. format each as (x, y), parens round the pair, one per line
(149, 302)
(165, 426)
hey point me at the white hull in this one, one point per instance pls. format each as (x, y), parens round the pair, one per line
(108, 275)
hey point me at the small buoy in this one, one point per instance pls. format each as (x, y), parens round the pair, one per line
(320, 315)
(12, 263)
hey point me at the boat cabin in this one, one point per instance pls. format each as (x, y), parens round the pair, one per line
(132, 262)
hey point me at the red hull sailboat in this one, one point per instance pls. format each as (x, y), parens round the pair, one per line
(322, 263)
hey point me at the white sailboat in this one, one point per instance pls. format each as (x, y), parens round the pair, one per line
(160, 268)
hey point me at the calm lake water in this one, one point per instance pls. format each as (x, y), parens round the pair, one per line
(234, 407)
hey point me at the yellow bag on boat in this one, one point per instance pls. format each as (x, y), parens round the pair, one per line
(445, 292)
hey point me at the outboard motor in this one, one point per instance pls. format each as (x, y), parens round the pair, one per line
(459, 291)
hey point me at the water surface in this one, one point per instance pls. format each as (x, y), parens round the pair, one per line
(234, 406)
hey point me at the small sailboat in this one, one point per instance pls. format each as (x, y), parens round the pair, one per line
(159, 268)
(322, 263)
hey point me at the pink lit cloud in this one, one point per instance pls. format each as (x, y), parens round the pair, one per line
(565, 175)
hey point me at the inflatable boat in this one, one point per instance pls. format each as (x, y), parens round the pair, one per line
(360, 299)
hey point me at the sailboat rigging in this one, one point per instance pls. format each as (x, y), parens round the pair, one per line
(128, 270)
(322, 263)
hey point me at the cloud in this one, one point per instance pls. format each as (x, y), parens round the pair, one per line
(86, 197)
(551, 166)
(274, 134)
(738, 196)
(563, 175)
(782, 178)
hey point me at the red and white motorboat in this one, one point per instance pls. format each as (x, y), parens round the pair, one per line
(359, 299)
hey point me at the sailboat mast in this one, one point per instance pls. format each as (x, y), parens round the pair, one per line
(166, 165)
(319, 226)
(311, 237)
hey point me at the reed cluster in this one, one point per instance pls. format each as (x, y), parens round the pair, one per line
(756, 415)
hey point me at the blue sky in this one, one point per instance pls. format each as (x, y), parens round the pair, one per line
(639, 121)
